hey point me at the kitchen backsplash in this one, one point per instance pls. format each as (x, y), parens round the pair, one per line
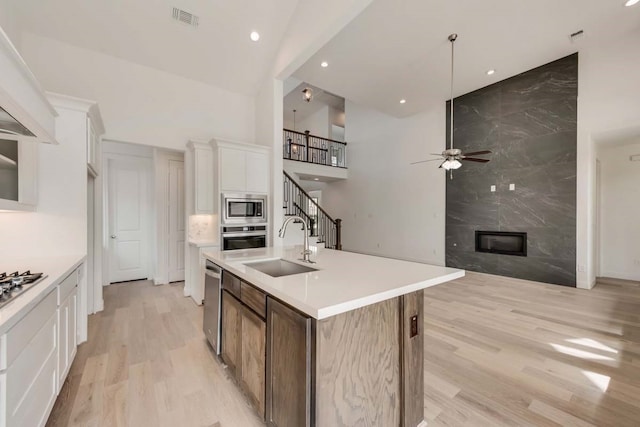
(203, 227)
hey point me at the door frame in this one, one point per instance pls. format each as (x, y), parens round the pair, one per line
(161, 161)
(106, 253)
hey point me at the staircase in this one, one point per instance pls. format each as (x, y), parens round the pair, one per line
(298, 202)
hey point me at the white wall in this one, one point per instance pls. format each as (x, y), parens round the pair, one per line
(317, 123)
(389, 207)
(620, 210)
(608, 102)
(140, 104)
(59, 225)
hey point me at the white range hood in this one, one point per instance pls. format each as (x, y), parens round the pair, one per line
(24, 109)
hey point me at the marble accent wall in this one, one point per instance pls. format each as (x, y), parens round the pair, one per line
(529, 122)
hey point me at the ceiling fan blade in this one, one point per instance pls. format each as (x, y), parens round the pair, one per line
(424, 161)
(477, 153)
(471, 159)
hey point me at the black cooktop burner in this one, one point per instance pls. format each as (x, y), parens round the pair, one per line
(15, 284)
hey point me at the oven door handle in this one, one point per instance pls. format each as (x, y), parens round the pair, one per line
(243, 235)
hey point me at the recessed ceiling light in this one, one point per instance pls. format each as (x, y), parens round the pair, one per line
(631, 2)
(316, 179)
(255, 36)
(324, 64)
(402, 101)
(491, 72)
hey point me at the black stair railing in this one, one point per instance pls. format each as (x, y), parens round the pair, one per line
(299, 202)
(304, 147)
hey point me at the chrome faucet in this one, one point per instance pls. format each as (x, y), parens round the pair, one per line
(306, 251)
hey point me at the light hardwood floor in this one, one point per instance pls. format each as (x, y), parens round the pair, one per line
(498, 351)
(147, 363)
(502, 351)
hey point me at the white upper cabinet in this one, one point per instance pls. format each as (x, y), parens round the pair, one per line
(232, 169)
(243, 168)
(199, 166)
(18, 173)
(79, 121)
(257, 172)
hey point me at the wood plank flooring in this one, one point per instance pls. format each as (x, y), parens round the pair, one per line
(147, 363)
(507, 352)
(498, 351)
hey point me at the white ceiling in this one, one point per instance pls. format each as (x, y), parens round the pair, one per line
(217, 52)
(396, 50)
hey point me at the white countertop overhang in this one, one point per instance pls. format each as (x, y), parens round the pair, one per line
(344, 281)
(56, 268)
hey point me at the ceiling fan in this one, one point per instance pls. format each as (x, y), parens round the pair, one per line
(452, 157)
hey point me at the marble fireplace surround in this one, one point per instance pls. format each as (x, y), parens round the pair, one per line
(529, 122)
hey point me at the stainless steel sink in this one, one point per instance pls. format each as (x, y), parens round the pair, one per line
(279, 267)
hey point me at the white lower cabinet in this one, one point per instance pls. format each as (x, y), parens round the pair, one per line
(29, 382)
(35, 357)
(68, 336)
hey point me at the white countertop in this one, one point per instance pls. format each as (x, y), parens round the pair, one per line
(201, 243)
(56, 269)
(344, 280)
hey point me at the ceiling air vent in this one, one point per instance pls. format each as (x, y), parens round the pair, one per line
(185, 17)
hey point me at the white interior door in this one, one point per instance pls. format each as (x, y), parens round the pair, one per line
(176, 221)
(128, 219)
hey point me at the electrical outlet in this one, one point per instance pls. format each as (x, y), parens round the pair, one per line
(512, 187)
(414, 326)
(581, 269)
(493, 188)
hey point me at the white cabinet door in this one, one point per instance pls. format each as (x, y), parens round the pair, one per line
(72, 329)
(257, 170)
(233, 176)
(30, 381)
(63, 342)
(204, 181)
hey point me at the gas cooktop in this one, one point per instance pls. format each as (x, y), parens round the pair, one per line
(15, 284)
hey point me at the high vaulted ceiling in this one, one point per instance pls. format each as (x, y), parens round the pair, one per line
(399, 50)
(218, 51)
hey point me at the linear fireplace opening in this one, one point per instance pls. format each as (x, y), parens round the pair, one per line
(502, 242)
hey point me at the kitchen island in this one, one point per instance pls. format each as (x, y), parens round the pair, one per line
(339, 345)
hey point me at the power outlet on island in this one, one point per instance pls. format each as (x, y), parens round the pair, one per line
(414, 326)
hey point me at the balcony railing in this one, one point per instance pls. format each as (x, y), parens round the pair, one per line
(304, 147)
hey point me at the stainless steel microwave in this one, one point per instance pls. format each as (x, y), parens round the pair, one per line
(244, 208)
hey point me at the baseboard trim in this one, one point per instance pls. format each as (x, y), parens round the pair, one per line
(623, 276)
(422, 424)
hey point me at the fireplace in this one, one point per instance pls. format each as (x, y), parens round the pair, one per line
(501, 242)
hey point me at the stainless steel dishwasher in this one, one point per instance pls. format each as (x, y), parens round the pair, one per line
(212, 289)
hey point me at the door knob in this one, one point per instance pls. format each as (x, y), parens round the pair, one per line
(113, 236)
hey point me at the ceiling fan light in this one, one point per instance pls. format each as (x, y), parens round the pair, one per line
(454, 164)
(446, 165)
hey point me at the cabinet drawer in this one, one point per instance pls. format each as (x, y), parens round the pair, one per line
(67, 286)
(254, 298)
(231, 283)
(18, 337)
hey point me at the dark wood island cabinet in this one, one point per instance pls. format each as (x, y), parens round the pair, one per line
(361, 367)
